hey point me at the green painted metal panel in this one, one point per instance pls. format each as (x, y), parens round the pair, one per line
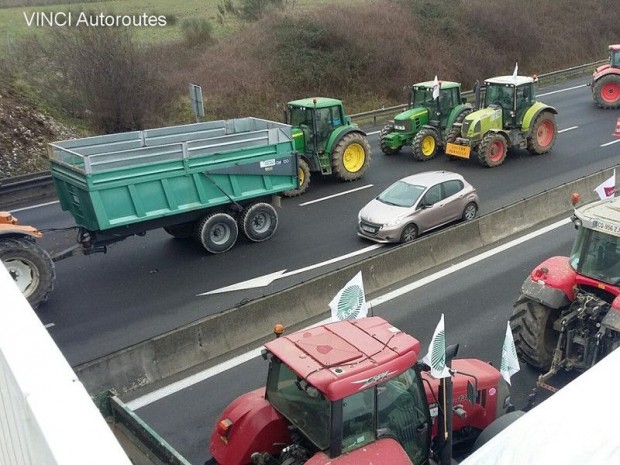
(121, 179)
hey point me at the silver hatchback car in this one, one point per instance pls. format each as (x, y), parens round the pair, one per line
(416, 204)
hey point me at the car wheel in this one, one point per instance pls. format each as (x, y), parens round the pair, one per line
(409, 233)
(469, 212)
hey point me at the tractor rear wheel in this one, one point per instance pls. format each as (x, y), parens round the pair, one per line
(351, 157)
(258, 221)
(30, 266)
(303, 173)
(385, 148)
(543, 134)
(425, 144)
(217, 232)
(532, 328)
(492, 150)
(607, 91)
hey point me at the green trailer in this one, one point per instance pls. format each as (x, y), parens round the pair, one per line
(206, 180)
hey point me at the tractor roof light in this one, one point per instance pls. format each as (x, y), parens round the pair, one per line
(575, 198)
(223, 428)
(278, 330)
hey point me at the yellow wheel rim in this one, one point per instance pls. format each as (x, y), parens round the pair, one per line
(354, 158)
(428, 146)
(302, 176)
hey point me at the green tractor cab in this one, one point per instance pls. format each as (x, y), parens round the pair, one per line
(509, 117)
(425, 124)
(327, 141)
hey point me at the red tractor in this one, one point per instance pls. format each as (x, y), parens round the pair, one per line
(353, 392)
(606, 81)
(568, 313)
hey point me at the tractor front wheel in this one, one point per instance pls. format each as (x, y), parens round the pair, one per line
(351, 157)
(543, 135)
(385, 147)
(30, 266)
(425, 144)
(492, 150)
(532, 328)
(607, 91)
(303, 174)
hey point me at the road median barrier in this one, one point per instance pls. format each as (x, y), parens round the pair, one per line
(182, 350)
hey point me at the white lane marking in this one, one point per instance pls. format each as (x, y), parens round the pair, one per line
(611, 143)
(568, 129)
(216, 370)
(562, 90)
(267, 279)
(372, 133)
(35, 206)
(335, 195)
(49, 325)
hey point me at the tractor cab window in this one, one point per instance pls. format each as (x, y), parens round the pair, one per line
(524, 100)
(402, 413)
(423, 97)
(300, 403)
(299, 117)
(358, 420)
(597, 255)
(499, 94)
(614, 58)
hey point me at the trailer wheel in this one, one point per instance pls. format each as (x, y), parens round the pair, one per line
(351, 157)
(543, 134)
(303, 173)
(385, 148)
(532, 328)
(30, 266)
(181, 231)
(425, 144)
(217, 232)
(607, 91)
(259, 221)
(492, 150)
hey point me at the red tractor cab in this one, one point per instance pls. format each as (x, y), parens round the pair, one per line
(352, 392)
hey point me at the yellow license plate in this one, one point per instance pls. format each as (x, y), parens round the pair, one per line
(457, 150)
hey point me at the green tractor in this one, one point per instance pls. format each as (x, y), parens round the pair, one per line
(327, 141)
(510, 117)
(424, 125)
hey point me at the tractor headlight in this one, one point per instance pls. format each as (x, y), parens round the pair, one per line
(399, 127)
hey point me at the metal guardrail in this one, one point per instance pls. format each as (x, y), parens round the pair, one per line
(20, 191)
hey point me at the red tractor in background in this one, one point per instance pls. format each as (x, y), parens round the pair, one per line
(353, 392)
(568, 314)
(606, 81)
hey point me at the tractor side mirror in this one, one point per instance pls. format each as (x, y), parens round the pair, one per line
(451, 352)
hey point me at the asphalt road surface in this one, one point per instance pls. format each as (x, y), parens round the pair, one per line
(145, 286)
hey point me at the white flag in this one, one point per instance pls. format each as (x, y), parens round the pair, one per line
(607, 190)
(350, 302)
(514, 73)
(436, 357)
(510, 363)
(435, 88)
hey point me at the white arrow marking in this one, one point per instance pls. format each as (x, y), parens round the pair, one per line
(266, 280)
(261, 281)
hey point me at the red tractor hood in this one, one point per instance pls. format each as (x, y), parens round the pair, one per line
(386, 451)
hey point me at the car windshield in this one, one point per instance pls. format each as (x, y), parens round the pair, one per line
(597, 255)
(303, 405)
(401, 194)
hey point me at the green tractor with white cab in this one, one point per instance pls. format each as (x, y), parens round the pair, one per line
(426, 123)
(510, 117)
(327, 141)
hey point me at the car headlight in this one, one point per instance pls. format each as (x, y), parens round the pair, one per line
(394, 222)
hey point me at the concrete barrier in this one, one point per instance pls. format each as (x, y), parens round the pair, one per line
(202, 342)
